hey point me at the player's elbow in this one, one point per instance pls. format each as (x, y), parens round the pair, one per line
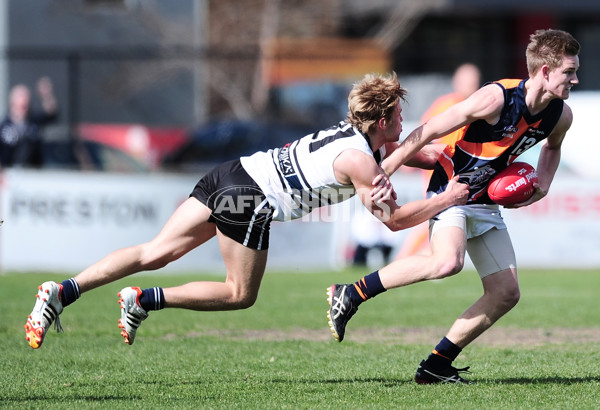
(397, 220)
(398, 225)
(427, 157)
(393, 228)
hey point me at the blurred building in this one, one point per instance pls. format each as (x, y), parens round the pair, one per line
(178, 63)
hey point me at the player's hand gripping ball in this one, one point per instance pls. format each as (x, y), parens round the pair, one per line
(513, 185)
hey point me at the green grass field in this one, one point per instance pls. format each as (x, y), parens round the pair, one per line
(279, 354)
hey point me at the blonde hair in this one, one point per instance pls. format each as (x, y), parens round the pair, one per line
(374, 97)
(549, 47)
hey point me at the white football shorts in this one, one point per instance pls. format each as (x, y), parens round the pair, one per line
(488, 242)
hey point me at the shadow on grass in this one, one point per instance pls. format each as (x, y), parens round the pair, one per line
(48, 399)
(545, 380)
(387, 382)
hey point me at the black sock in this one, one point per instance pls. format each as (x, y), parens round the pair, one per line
(444, 354)
(152, 299)
(366, 288)
(70, 292)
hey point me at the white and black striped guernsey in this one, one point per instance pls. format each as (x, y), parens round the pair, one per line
(299, 177)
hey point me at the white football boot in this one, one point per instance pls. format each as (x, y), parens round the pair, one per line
(132, 314)
(46, 310)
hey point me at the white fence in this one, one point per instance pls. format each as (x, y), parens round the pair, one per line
(64, 221)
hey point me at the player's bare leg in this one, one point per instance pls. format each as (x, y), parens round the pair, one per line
(493, 256)
(500, 295)
(245, 269)
(448, 247)
(186, 229)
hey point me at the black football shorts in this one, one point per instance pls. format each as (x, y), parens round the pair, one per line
(239, 207)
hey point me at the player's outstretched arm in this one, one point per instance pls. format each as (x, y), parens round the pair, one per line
(416, 212)
(485, 104)
(359, 169)
(427, 156)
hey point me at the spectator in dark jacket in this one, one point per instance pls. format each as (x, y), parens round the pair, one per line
(20, 130)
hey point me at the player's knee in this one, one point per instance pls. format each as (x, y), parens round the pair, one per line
(449, 267)
(512, 297)
(243, 300)
(508, 297)
(153, 260)
(155, 264)
(247, 302)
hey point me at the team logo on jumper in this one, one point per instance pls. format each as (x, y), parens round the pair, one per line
(240, 205)
(510, 131)
(287, 168)
(477, 178)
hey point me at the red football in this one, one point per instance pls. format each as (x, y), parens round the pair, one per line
(513, 184)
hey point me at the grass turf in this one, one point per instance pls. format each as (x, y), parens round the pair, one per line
(278, 354)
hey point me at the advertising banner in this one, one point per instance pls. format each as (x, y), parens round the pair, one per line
(65, 221)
